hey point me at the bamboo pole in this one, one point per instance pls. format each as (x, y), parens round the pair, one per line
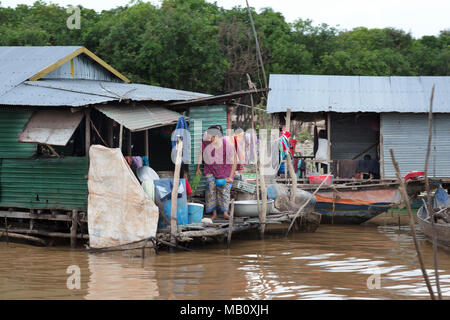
(427, 188)
(411, 224)
(176, 179)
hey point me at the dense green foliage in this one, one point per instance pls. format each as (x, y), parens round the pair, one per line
(195, 45)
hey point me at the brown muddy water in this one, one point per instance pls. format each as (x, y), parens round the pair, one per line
(333, 263)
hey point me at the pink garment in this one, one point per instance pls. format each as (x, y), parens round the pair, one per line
(218, 162)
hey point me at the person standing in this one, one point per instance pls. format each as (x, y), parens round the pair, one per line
(219, 157)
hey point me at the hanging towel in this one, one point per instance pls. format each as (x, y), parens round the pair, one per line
(145, 161)
(129, 160)
(182, 130)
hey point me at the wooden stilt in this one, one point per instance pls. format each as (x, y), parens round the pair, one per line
(87, 130)
(230, 225)
(147, 152)
(129, 143)
(120, 136)
(176, 179)
(73, 229)
(329, 142)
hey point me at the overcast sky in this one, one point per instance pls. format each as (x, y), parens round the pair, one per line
(420, 17)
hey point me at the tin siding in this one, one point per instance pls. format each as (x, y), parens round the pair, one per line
(11, 124)
(84, 68)
(44, 183)
(209, 116)
(407, 135)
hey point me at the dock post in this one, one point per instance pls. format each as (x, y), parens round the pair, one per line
(176, 179)
(262, 217)
(230, 225)
(73, 229)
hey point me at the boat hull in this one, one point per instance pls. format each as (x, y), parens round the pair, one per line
(354, 206)
(442, 231)
(348, 213)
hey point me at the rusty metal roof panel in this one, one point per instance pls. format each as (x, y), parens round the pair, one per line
(17, 64)
(318, 93)
(137, 118)
(54, 127)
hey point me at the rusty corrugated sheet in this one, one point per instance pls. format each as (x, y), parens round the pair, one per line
(137, 118)
(44, 183)
(54, 127)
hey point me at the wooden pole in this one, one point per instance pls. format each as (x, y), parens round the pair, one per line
(176, 179)
(263, 212)
(120, 137)
(429, 205)
(110, 132)
(230, 225)
(329, 142)
(147, 152)
(255, 156)
(129, 143)
(381, 150)
(289, 161)
(288, 120)
(73, 229)
(87, 131)
(411, 223)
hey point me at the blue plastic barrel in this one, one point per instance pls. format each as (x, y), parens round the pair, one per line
(182, 205)
(195, 212)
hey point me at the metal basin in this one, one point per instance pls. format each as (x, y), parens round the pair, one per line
(249, 208)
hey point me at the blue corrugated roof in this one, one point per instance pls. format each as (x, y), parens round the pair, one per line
(316, 93)
(19, 64)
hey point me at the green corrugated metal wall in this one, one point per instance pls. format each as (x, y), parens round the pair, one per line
(11, 124)
(44, 183)
(37, 183)
(209, 116)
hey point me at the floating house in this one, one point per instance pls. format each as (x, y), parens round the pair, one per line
(57, 101)
(369, 115)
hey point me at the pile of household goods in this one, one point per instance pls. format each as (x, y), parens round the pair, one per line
(159, 190)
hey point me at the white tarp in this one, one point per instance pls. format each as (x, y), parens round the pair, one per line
(118, 210)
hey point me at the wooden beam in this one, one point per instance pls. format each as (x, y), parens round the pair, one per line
(176, 179)
(147, 152)
(329, 142)
(230, 225)
(288, 120)
(129, 143)
(87, 130)
(381, 150)
(73, 229)
(120, 137)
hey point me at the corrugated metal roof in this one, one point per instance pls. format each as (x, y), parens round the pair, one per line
(18, 64)
(54, 127)
(76, 93)
(316, 93)
(137, 118)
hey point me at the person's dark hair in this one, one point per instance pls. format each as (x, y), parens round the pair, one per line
(213, 130)
(323, 134)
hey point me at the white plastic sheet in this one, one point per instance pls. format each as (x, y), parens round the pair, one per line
(118, 210)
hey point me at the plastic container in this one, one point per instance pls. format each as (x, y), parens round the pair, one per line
(220, 182)
(182, 204)
(195, 212)
(318, 178)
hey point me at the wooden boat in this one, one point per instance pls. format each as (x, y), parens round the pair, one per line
(442, 230)
(347, 206)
